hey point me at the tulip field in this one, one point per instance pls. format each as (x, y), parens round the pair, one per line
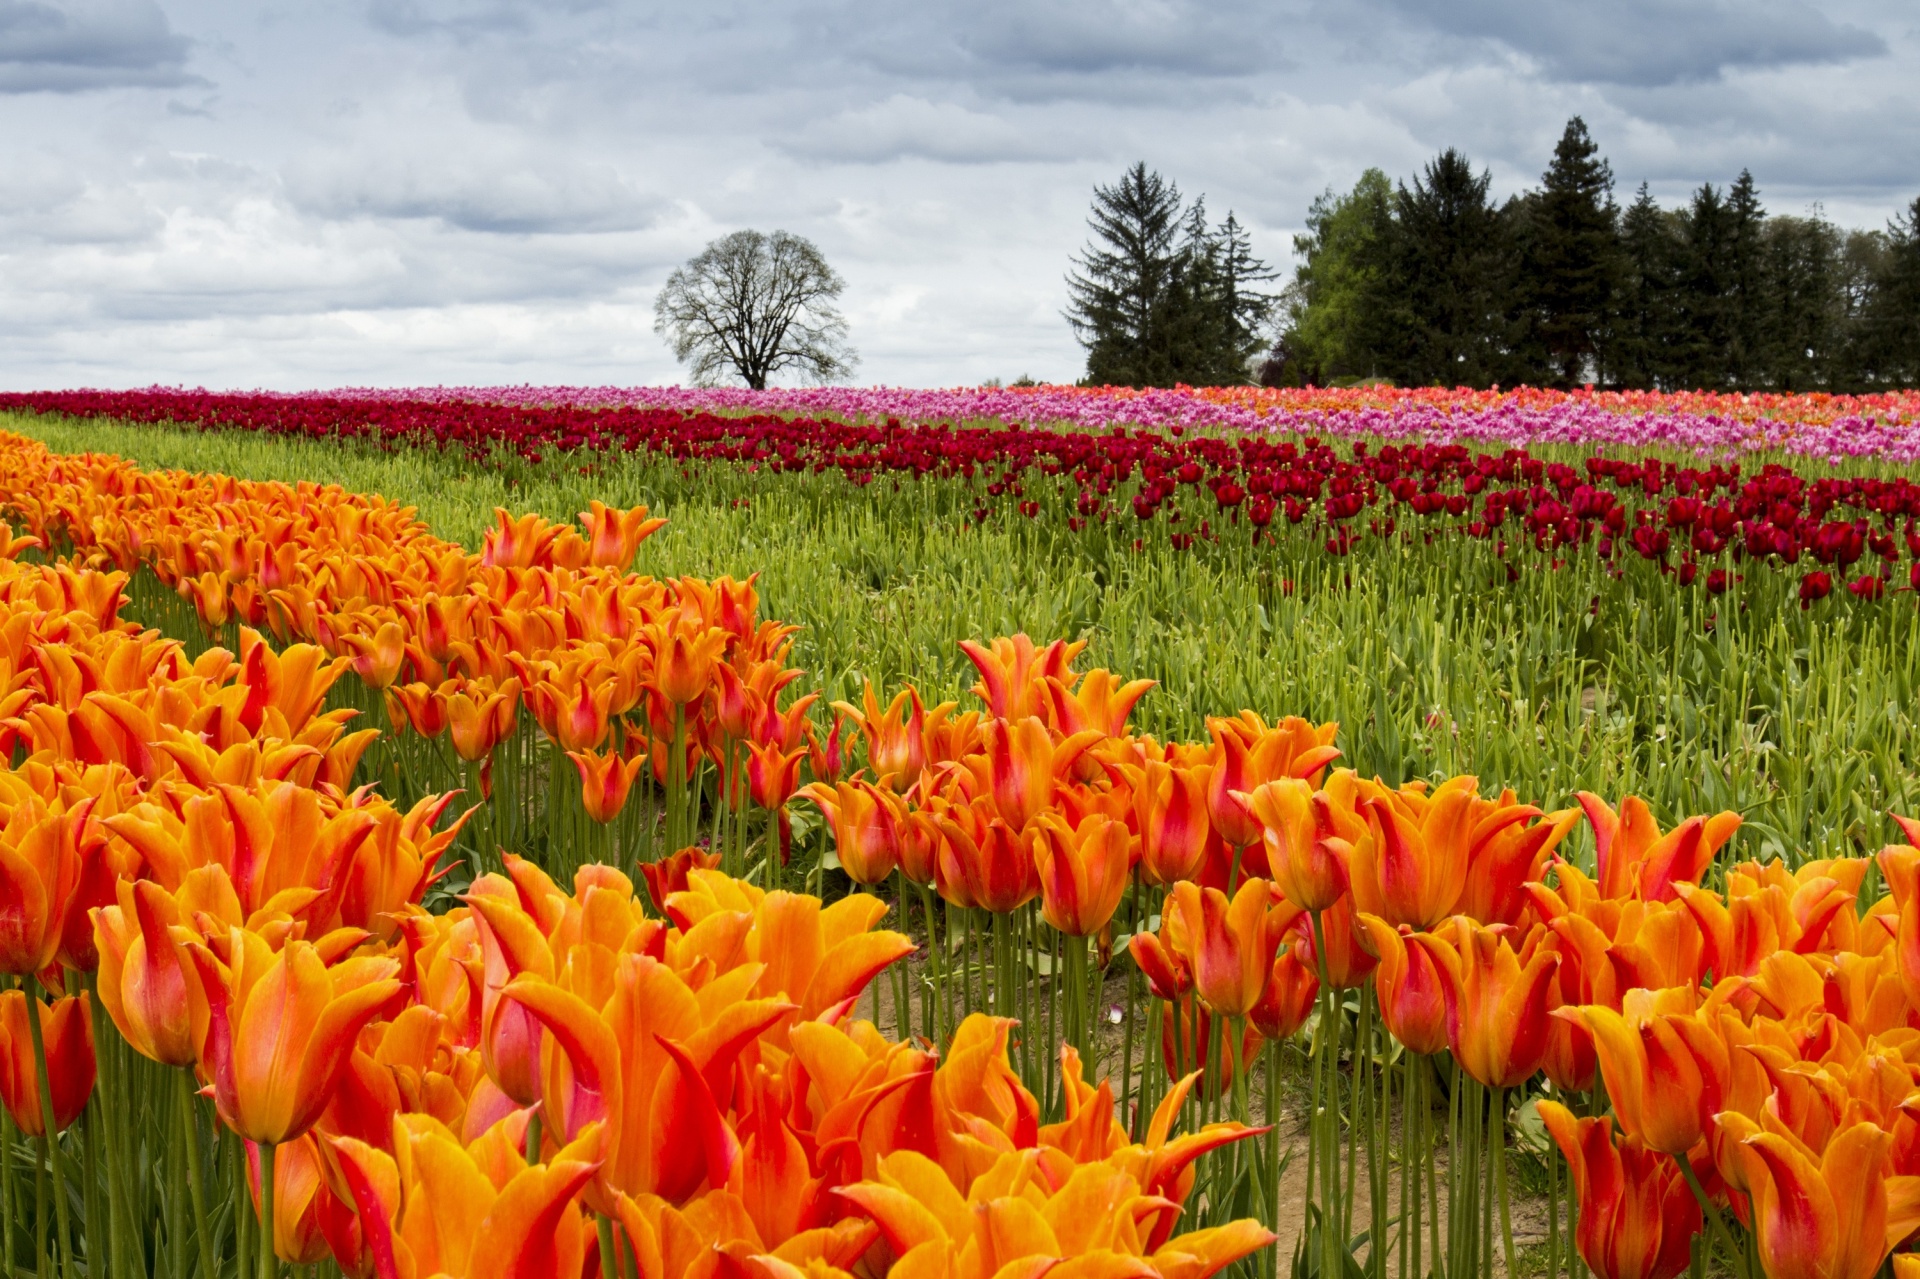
(1005, 833)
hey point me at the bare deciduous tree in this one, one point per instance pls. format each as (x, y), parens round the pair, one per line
(755, 305)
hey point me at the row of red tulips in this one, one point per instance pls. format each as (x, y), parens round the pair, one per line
(1714, 515)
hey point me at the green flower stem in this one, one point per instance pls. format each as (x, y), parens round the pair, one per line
(269, 1263)
(55, 1163)
(196, 1179)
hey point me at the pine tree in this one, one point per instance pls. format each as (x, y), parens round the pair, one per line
(1891, 339)
(1119, 295)
(1573, 257)
(1457, 271)
(1640, 337)
(1702, 347)
(1747, 337)
(1164, 297)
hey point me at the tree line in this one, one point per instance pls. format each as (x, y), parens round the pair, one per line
(1437, 282)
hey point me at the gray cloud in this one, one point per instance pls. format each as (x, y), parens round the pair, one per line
(1652, 42)
(68, 46)
(470, 190)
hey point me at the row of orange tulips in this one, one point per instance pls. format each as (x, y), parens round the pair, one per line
(426, 1093)
(1728, 1070)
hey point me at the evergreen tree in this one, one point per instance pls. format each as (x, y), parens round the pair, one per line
(1746, 301)
(1702, 344)
(1803, 311)
(1639, 350)
(1120, 295)
(1572, 258)
(1457, 271)
(1164, 297)
(1891, 338)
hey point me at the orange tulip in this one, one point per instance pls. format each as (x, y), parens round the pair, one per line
(1348, 962)
(613, 535)
(280, 1028)
(1025, 764)
(1289, 999)
(1308, 861)
(772, 774)
(1633, 857)
(1233, 943)
(1411, 988)
(148, 983)
(1013, 673)
(1170, 808)
(39, 872)
(480, 723)
(1832, 1216)
(684, 657)
(982, 861)
(865, 838)
(1666, 1071)
(896, 737)
(605, 781)
(1637, 1217)
(1083, 871)
(1496, 1007)
(377, 657)
(67, 1031)
(1416, 870)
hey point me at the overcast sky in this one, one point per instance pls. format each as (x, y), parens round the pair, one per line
(396, 192)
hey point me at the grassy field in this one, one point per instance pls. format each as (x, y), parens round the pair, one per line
(1802, 720)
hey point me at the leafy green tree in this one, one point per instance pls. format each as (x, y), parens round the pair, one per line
(1342, 312)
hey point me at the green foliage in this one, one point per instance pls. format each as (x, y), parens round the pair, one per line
(1160, 296)
(1433, 663)
(1438, 284)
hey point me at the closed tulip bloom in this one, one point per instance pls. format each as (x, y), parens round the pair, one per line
(1170, 805)
(67, 1031)
(683, 659)
(1348, 962)
(1418, 869)
(605, 781)
(1637, 1218)
(1083, 871)
(1308, 861)
(377, 657)
(772, 774)
(1233, 946)
(863, 828)
(1666, 1072)
(39, 872)
(896, 737)
(1025, 764)
(1411, 988)
(1496, 1007)
(280, 1030)
(983, 862)
(148, 983)
(1832, 1216)
(1292, 990)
